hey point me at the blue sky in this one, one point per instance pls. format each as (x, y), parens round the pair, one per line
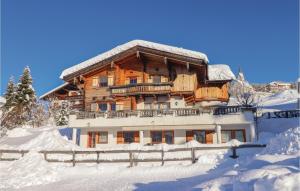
(260, 36)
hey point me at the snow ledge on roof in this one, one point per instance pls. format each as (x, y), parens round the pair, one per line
(53, 90)
(131, 44)
(220, 72)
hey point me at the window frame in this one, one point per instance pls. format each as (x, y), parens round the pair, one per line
(133, 78)
(103, 83)
(99, 107)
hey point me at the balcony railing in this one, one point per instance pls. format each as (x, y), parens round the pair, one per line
(141, 113)
(143, 88)
(77, 97)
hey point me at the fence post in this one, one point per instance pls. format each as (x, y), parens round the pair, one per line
(193, 155)
(97, 157)
(130, 159)
(162, 157)
(73, 160)
(22, 153)
(45, 155)
(234, 155)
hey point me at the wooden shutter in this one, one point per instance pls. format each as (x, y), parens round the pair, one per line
(127, 81)
(94, 106)
(139, 79)
(209, 137)
(97, 137)
(120, 138)
(136, 137)
(110, 80)
(89, 144)
(189, 136)
(95, 82)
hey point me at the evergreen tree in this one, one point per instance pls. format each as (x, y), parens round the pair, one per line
(25, 98)
(62, 116)
(10, 94)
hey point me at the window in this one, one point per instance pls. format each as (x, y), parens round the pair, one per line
(227, 135)
(239, 135)
(162, 137)
(133, 80)
(169, 137)
(95, 82)
(103, 106)
(128, 136)
(156, 79)
(103, 81)
(97, 138)
(103, 137)
(94, 107)
(113, 107)
(156, 136)
(199, 136)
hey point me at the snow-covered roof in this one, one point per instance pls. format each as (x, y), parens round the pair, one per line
(220, 72)
(131, 44)
(279, 83)
(53, 90)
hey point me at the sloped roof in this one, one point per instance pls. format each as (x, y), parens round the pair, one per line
(129, 45)
(219, 72)
(53, 90)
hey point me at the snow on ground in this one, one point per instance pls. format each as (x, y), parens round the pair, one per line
(43, 138)
(274, 168)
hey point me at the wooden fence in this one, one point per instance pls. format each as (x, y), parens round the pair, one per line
(131, 159)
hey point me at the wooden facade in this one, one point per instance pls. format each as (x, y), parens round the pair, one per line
(126, 81)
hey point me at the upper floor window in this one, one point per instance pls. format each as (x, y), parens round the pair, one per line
(133, 80)
(156, 79)
(103, 81)
(113, 107)
(103, 106)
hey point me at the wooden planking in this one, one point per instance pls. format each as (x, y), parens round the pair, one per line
(215, 90)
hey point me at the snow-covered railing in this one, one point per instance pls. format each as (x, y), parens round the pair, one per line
(127, 156)
(141, 113)
(282, 114)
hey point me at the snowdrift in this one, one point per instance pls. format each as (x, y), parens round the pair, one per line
(285, 143)
(43, 138)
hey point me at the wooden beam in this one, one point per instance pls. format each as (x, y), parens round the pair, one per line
(138, 54)
(187, 65)
(165, 60)
(112, 64)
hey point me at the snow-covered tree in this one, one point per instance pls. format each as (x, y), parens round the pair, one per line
(62, 115)
(10, 94)
(25, 97)
(243, 92)
(8, 117)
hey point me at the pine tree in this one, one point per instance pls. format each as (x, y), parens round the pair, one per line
(25, 97)
(10, 94)
(62, 117)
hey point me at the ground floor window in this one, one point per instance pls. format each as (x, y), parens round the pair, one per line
(128, 137)
(97, 137)
(162, 137)
(202, 136)
(227, 135)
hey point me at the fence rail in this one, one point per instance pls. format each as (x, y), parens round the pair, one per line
(282, 114)
(131, 158)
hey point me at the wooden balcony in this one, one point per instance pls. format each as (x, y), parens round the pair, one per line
(77, 97)
(143, 88)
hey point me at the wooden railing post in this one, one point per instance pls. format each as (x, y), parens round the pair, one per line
(162, 157)
(130, 159)
(45, 155)
(98, 156)
(193, 155)
(73, 160)
(234, 155)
